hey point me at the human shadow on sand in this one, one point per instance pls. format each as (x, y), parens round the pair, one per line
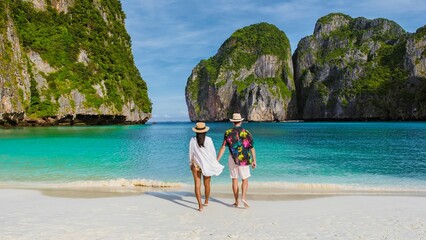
(175, 197)
(178, 198)
(218, 201)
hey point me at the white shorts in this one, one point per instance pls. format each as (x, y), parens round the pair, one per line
(235, 170)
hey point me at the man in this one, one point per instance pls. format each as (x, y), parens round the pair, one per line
(242, 155)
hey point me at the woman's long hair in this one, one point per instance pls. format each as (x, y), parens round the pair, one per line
(200, 139)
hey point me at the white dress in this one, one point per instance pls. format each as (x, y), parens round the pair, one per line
(205, 157)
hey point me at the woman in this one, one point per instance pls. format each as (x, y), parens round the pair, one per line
(202, 160)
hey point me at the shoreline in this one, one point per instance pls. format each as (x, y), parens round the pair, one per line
(259, 192)
(86, 193)
(19, 119)
(111, 120)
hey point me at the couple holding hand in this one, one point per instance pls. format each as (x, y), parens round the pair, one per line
(203, 160)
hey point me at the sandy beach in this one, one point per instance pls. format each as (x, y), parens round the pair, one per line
(32, 214)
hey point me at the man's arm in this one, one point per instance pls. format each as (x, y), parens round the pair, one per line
(253, 154)
(221, 151)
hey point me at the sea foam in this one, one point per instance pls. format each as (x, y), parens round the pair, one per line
(121, 183)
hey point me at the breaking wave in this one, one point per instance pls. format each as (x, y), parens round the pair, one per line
(122, 182)
(289, 187)
(112, 183)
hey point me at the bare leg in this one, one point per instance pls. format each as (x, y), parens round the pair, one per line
(244, 187)
(235, 190)
(197, 187)
(206, 189)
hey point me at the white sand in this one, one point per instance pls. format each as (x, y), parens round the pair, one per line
(28, 214)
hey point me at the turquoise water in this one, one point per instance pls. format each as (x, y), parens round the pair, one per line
(378, 154)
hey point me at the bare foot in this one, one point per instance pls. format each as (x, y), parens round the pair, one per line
(206, 204)
(200, 207)
(235, 204)
(246, 205)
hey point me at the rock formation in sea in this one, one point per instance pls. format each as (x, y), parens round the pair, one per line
(349, 69)
(68, 62)
(252, 73)
(360, 69)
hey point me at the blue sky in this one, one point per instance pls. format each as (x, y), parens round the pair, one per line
(169, 37)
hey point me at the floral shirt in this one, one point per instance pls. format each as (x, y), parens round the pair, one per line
(239, 142)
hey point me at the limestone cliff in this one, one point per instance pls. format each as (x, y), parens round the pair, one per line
(356, 68)
(68, 62)
(252, 73)
(415, 64)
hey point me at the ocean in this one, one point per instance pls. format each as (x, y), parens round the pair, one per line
(347, 156)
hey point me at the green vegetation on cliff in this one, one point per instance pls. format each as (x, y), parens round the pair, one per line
(59, 38)
(37, 107)
(356, 35)
(5, 51)
(330, 17)
(385, 71)
(245, 46)
(3, 16)
(248, 43)
(420, 33)
(358, 68)
(241, 50)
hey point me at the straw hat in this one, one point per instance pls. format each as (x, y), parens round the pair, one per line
(200, 127)
(236, 117)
